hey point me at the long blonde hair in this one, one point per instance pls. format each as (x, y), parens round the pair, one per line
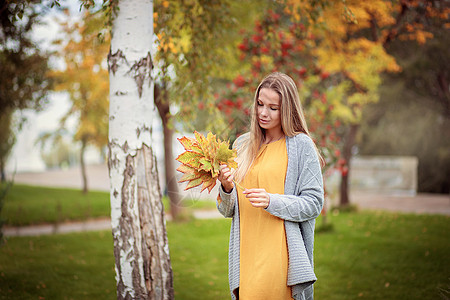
(292, 120)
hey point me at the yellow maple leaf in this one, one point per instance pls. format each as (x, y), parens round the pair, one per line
(201, 161)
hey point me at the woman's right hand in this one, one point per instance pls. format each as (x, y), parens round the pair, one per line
(226, 177)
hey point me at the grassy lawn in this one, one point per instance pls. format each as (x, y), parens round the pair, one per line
(26, 205)
(384, 256)
(367, 256)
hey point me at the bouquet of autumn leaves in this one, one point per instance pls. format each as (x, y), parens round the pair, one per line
(201, 161)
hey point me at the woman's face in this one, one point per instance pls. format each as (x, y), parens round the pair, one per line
(268, 109)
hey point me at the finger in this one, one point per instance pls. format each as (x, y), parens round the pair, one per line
(256, 195)
(230, 173)
(224, 173)
(223, 168)
(262, 199)
(255, 200)
(229, 176)
(260, 204)
(251, 191)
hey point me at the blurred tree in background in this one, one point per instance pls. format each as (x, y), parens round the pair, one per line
(340, 51)
(191, 37)
(85, 78)
(185, 63)
(347, 47)
(61, 154)
(337, 73)
(413, 115)
(275, 44)
(23, 67)
(7, 140)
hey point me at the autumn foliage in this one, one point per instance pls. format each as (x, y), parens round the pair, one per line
(85, 78)
(272, 45)
(335, 52)
(201, 161)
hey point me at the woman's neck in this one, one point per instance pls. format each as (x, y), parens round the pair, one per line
(272, 136)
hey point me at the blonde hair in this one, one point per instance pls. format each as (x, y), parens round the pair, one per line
(292, 120)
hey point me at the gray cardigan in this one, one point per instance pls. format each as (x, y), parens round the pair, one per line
(300, 205)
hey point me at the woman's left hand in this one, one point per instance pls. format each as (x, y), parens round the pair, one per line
(257, 197)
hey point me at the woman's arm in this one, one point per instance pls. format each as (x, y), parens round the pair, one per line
(301, 208)
(225, 202)
(227, 199)
(306, 201)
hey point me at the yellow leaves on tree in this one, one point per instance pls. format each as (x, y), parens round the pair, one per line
(85, 77)
(360, 59)
(201, 161)
(354, 47)
(351, 38)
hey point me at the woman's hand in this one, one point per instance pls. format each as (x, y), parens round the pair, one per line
(257, 197)
(226, 177)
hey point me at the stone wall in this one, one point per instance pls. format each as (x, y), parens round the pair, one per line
(384, 174)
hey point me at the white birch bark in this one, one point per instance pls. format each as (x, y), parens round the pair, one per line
(141, 250)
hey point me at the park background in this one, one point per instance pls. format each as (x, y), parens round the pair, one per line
(391, 98)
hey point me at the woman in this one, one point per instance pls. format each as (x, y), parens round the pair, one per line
(276, 201)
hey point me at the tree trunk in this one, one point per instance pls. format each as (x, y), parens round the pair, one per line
(347, 155)
(83, 166)
(2, 172)
(141, 250)
(163, 106)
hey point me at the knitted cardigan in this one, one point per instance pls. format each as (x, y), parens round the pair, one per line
(300, 205)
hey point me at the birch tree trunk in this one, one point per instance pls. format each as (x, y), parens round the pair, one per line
(141, 250)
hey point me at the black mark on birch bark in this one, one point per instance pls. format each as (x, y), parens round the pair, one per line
(113, 162)
(144, 128)
(119, 93)
(125, 147)
(141, 70)
(114, 60)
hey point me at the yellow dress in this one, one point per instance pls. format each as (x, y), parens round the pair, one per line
(263, 246)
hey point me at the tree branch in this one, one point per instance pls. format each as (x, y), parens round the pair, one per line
(393, 31)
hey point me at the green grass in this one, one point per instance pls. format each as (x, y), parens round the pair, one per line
(199, 251)
(81, 265)
(384, 256)
(366, 256)
(27, 205)
(72, 266)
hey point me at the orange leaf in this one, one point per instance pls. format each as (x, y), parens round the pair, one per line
(187, 157)
(209, 184)
(200, 138)
(189, 177)
(185, 169)
(193, 183)
(186, 142)
(200, 161)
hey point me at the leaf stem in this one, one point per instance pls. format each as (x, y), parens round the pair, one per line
(239, 186)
